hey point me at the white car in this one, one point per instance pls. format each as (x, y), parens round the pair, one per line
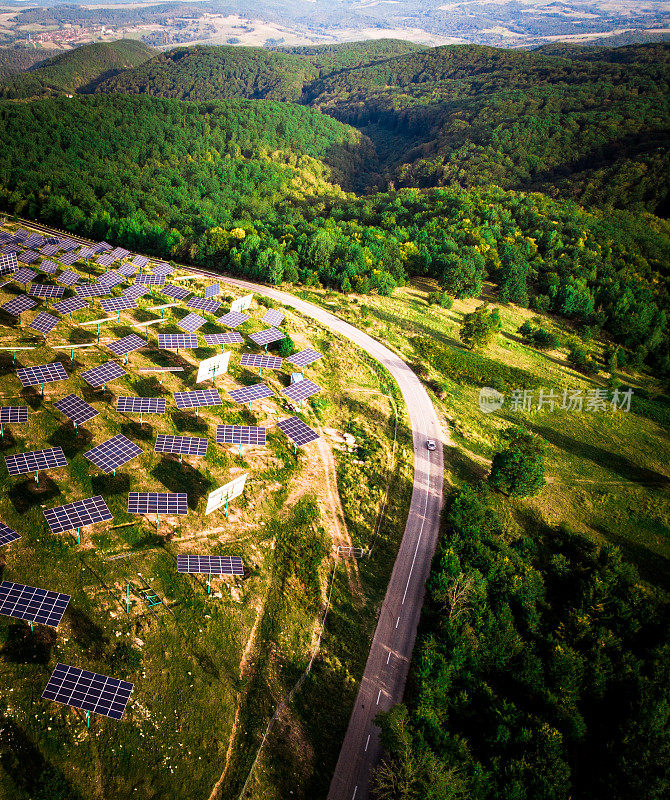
(430, 444)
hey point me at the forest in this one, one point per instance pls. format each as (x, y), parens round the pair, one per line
(540, 671)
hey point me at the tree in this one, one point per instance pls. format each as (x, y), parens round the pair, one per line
(518, 470)
(480, 327)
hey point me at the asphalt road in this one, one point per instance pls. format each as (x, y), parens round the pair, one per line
(383, 682)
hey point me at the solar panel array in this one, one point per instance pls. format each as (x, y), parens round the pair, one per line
(233, 319)
(183, 445)
(44, 323)
(195, 399)
(162, 269)
(128, 344)
(258, 361)
(210, 565)
(247, 394)
(68, 277)
(77, 514)
(119, 253)
(297, 431)
(105, 260)
(117, 303)
(35, 460)
(158, 503)
(143, 405)
(267, 336)
(88, 691)
(13, 414)
(273, 317)
(76, 409)
(49, 267)
(103, 246)
(70, 305)
(203, 304)
(24, 275)
(8, 263)
(28, 256)
(304, 358)
(150, 279)
(7, 535)
(49, 249)
(68, 259)
(173, 341)
(46, 290)
(21, 234)
(43, 373)
(241, 434)
(129, 269)
(140, 261)
(86, 252)
(213, 290)
(66, 245)
(113, 453)
(229, 337)
(103, 373)
(134, 292)
(92, 290)
(111, 278)
(36, 605)
(18, 305)
(192, 322)
(301, 390)
(178, 292)
(34, 240)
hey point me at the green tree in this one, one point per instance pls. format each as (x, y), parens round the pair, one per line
(480, 327)
(518, 470)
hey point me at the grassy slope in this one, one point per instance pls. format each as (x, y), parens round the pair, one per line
(76, 69)
(174, 737)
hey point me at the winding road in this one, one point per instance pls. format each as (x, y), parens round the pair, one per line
(383, 682)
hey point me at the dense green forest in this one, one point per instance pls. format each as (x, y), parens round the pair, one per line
(17, 59)
(76, 70)
(541, 671)
(329, 58)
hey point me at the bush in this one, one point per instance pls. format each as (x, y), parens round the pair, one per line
(582, 360)
(446, 301)
(285, 346)
(518, 470)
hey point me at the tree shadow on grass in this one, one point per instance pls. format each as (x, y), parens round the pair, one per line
(28, 493)
(653, 567)
(147, 387)
(183, 477)
(27, 768)
(72, 440)
(133, 430)
(88, 634)
(23, 646)
(186, 422)
(111, 484)
(92, 395)
(32, 397)
(82, 336)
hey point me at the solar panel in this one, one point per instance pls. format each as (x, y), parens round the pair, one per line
(86, 252)
(24, 275)
(233, 319)
(111, 278)
(28, 257)
(46, 290)
(68, 277)
(247, 394)
(104, 246)
(173, 341)
(103, 373)
(157, 503)
(76, 409)
(304, 358)
(43, 373)
(105, 260)
(127, 269)
(44, 323)
(68, 244)
(9, 264)
(113, 453)
(273, 317)
(48, 267)
(34, 240)
(49, 249)
(266, 336)
(128, 344)
(241, 434)
(210, 565)
(213, 290)
(117, 303)
(119, 253)
(70, 305)
(18, 305)
(68, 259)
(162, 269)
(91, 290)
(35, 460)
(140, 261)
(21, 234)
(76, 515)
(204, 304)
(141, 405)
(297, 431)
(151, 279)
(192, 322)
(200, 397)
(178, 292)
(183, 445)
(259, 361)
(13, 415)
(31, 603)
(134, 292)
(88, 691)
(161, 369)
(230, 337)
(301, 390)
(7, 535)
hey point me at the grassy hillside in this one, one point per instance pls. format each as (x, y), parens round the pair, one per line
(17, 59)
(76, 70)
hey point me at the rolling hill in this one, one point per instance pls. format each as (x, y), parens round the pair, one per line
(17, 59)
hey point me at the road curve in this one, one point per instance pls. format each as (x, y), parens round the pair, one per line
(383, 682)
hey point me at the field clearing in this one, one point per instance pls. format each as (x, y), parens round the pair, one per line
(209, 659)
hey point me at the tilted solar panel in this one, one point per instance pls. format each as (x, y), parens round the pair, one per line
(28, 257)
(68, 244)
(34, 240)
(267, 336)
(18, 305)
(195, 399)
(102, 374)
(247, 394)
(174, 341)
(111, 278)
(117, 303)
(77, 514)
(259, 361)
(127, 269)
(49, 249)
(68, 259)
(134, 292)
(36, 605)
(8, 263)
(304, 358)
(92, 290)
(150, 279)
(70, 305)
(88, 691)
(48, 267)
(119, 253)
(297, 431)
(76, 409)
(128, 344)
(182, 445)
(24, 275)
(68, 277)
(178, 292)
(44, 323)
(21, 234)
(141, 405)
(273, 317)
(7, 535)
(192, 322)
(203, 304)
(301, 390)
(233, 319)
(213, 290)
(113, 453)
(241, 434)
(43, 373)
(140, 261)
(13, 415)
(210, 565)
(105, 260)
(229, 337)
(46, 290)
(162, 269)
(158, 503)
(35, 461)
